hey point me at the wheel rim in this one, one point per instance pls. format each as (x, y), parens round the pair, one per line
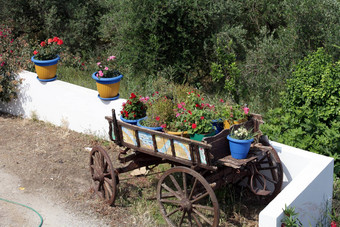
(187, 199)
(268, 175)
(103, 175)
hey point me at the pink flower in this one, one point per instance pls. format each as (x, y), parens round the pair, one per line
(98, 63)
(202, 117)
(3, 63)
(106, 68)
(111, 58)
(179, 106)
(101, 74)
(333, 224)
(157, 118)
(221, 100)
(177, 115)
(163, 125)
(246, 110)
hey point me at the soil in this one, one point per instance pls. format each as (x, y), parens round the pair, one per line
(47, 168)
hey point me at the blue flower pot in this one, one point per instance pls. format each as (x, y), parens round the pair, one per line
(133, 122)
(239, 148)
(217, 125)
(151, 128)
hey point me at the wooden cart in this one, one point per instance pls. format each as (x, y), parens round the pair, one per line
(185, 192)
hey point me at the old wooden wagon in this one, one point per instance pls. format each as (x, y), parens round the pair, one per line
(185, 192)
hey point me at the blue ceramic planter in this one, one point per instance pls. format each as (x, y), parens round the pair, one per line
(45, 62)
(133, 122)
(151, 128)
(217, 125)
(239, 148)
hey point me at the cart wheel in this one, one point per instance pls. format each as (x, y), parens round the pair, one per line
(187, 199)
(103, 174)
(266, 175)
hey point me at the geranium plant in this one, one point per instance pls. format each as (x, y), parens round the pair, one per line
(48, 49)
(134, 108)
(239, 113)
(242, 133)
(160, 110)
(107, 68)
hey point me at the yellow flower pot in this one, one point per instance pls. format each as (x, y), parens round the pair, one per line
(183, 134)
(46, 69)
(108, 88)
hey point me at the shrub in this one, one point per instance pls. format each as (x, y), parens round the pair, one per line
(10, 63)
(310, 114)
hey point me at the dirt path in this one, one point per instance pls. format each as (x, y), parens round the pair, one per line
(46, 168)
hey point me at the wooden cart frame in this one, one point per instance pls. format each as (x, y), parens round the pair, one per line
(185, 192)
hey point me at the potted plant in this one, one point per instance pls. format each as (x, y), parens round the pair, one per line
(159, 111)
(107, 79)
(178, 125)
(134, 109)
(239, 142)
(235, 114)
(200, 117)
(46, 58)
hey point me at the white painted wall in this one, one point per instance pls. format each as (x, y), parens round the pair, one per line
(308, 177)
(62, 104)
(307, 186)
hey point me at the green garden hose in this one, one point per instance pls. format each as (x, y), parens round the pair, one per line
(41, 219)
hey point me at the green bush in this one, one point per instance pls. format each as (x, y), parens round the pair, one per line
(310, 114)
(153, 35)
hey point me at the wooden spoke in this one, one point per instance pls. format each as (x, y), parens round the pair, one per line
(174, 211)
(200, 197)
(203, 207)
(199, 224)
(175, 183)
(203, 217)
(193, 188)
(175, 202)
(166, 187)
(184, 176)
(182, 218)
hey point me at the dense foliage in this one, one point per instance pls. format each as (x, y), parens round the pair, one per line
(244, 48)
(310, 114)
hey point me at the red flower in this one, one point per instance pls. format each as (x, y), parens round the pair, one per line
(198, 95)
(221, 100)
(193, 126)
(35, 52)
(60, 42)
(163, 125)
(121, 112)
(126, 115)
(43, 44)
(55, 39)
(202, 117)
(189, 112)
(333, 224)
(202, 99)
(158, 118)
(50, 41)
(197, 105)
(132, 96)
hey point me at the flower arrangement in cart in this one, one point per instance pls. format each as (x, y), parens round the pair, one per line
(189, 115)
(46, 57)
